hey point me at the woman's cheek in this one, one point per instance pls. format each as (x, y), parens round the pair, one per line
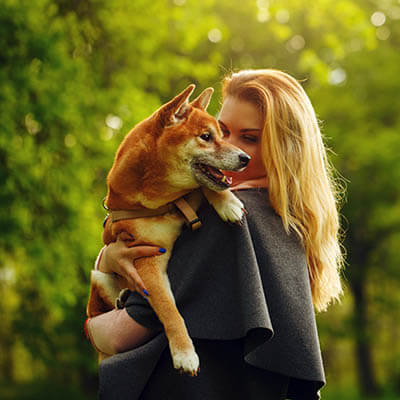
(256, 164)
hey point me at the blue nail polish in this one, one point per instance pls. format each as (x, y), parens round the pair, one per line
(146, 292)
(162, 250)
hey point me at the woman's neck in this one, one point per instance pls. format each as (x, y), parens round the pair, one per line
(255, 183)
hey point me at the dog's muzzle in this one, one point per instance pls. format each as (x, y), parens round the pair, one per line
(208, 172)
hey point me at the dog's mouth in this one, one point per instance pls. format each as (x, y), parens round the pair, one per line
(212, 175)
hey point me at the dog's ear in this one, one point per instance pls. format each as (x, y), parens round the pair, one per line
(175, 111)
(203, 100)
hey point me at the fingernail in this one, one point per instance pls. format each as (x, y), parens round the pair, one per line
(146, 292)
(162, 250)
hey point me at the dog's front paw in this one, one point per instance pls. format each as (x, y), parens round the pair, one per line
(231, 210)
(187, 362)
(226, 204)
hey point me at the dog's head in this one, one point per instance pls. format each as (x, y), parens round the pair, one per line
(194, 145)
(178, 148)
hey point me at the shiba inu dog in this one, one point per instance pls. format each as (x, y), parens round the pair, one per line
(163, 161)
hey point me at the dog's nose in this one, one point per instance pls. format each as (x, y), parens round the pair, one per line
(244, 159)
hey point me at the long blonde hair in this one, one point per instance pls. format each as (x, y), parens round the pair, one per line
(301, 186)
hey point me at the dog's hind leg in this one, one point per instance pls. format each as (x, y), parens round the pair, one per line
(104, 289)
(151, 270)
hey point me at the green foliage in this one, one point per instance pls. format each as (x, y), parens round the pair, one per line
(75, 76)
(42, 390)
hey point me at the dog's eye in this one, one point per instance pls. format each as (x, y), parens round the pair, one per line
(206, 136)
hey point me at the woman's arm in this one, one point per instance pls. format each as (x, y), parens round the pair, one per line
(115, 331)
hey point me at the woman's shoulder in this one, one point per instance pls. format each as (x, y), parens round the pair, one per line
(256, 201)
(261, 231)
(256, 206)
(262, 218)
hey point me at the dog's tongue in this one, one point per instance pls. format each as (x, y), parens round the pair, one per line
(216, 173)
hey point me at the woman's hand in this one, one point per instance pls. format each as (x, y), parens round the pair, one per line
(118, 258)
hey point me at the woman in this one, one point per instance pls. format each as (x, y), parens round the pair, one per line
(246, 292)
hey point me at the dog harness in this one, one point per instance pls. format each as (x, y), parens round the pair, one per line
(179, 205)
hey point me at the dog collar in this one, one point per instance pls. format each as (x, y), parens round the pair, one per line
(179, 205)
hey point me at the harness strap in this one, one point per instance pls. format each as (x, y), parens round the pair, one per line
(192, 220)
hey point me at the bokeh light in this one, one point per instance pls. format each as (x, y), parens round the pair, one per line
(378, 18)
(297, 42)
(114, 122)
(70, 140)
(383, 33)
(337, 76)
(282, 16)
(214, 35)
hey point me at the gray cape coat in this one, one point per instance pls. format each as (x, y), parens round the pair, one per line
(246, 284)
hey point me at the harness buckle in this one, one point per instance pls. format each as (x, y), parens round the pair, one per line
(194, 224)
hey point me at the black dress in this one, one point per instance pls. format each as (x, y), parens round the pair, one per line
(245, 295)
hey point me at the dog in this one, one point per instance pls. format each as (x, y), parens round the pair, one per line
(162, 171)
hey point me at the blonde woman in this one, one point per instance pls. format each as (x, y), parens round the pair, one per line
(247, 293)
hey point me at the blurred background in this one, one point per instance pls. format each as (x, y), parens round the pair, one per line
(76, 75)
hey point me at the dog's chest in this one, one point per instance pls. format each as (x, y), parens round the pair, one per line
(160, 230)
